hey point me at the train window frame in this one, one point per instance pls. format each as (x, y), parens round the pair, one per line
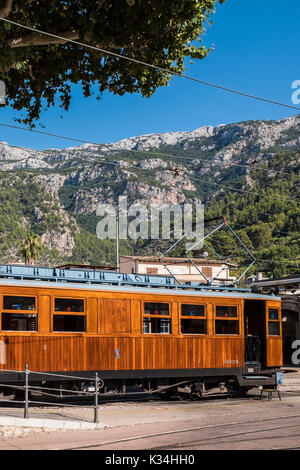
(66, 313)
(146, 316)
(25, 315)
(202, 317)
(19, 312)
(219, 318)
(9, 310)
(274, 321)
(226, 316)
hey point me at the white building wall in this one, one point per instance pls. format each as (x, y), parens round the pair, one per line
(186, 272)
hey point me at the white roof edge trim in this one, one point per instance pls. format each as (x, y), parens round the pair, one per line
(130, 289)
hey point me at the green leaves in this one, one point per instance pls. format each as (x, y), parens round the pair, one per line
(156, 32)
(30, 248)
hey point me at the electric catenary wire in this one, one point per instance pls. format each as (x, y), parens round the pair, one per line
(220, 185)
(154, 154)
(145, 64)
(128, 168)
(262, 261)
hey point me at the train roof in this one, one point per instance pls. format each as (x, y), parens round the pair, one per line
(176, 290)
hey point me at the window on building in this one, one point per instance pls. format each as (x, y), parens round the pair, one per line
(193, 319)
(19, 322)
(13, 302)
(151, 270)
(207, 271)
(156, 319)
(224, 321)
(273, 322)
(68, 305)
(69, 323)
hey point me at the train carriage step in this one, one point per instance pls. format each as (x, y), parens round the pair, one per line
(259, 377)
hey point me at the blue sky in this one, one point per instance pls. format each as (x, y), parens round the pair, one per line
(256, 51)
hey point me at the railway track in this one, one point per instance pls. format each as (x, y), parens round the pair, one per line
(203, 441)
(270, 432)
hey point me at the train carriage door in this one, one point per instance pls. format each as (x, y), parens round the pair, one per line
(255, 331)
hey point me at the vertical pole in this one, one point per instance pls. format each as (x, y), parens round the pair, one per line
(96, 417)
(117, 242)
(26, 414)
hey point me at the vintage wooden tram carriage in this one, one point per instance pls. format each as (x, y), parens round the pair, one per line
(142, 330)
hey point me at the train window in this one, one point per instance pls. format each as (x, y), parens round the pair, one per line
(157, 325)
(274, 328)
(274, 323)
(156, 309)
(193, 326)
(156, 318)
(192, 310)
(227, 327)
(226, 311)
(19, 322)
(69, 305)
(69, 323)
(12, 302)
(273, 313)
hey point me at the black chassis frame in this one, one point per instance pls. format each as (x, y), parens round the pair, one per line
(247, 376)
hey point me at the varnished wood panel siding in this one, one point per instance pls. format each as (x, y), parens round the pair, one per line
(92, 315)
(274, 352)
(274, 343)
(115, 316)
(114, 338)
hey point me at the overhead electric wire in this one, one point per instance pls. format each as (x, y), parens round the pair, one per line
(126, 168)
(217, 241)
(260, 260)
(274, 230)
(240, 190)
(146, 64)
(206, 160)
(221, 185)
(247, 226)
(154, 154)
(181, 75)
(51, 134)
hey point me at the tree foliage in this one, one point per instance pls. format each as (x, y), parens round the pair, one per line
(30, 248)
(36, 67)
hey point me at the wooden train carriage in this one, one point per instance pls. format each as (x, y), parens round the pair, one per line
(147, 336)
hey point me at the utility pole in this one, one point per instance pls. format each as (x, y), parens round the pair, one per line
(117, 242)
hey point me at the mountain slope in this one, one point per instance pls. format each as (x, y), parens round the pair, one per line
(248, 172)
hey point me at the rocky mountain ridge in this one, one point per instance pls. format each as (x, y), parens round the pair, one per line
(224, 139)
(59, 191)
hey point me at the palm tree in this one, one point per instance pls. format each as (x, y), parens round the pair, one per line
(30, 248)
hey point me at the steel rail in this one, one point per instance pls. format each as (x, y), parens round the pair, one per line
(212, 426)
(224, 436)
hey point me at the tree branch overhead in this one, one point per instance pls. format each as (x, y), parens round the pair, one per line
(4, 12)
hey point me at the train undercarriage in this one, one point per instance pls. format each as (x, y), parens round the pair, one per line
(187, 384)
